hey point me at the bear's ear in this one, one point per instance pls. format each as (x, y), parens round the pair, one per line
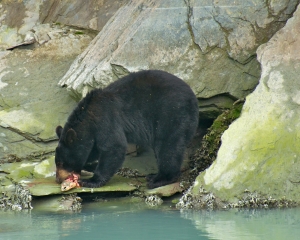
(70, 137)
(59, 130)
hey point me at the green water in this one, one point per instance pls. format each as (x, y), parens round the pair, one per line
(131, 221)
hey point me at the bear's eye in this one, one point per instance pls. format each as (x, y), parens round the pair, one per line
(59, 164)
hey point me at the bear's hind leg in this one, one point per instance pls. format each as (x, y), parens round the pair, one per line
(169, 157)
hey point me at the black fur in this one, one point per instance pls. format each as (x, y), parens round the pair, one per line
(151, 108)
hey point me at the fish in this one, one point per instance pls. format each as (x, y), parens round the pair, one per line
(70, 183)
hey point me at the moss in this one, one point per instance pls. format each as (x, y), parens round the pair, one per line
(78, 32)
(265, 160)
(21, 172)
(211, 142)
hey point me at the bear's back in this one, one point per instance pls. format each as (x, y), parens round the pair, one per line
(150, 85)
(145, 79)
(145, 105)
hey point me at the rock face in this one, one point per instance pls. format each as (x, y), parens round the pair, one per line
(196, 42)
(209, 44)
(20, 18)
(84, 14)
(260, 150)
(31, 103)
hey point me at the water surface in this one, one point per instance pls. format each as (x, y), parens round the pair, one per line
(134, 221)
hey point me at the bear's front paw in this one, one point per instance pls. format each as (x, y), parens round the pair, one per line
(153, 181)
(151, 177)
(90, 183)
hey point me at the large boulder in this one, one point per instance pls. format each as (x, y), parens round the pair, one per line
(31, 103)
(138, 36)
(84, 14)
(260, 151)
(211, 45)
(41, 48)
(20, 18)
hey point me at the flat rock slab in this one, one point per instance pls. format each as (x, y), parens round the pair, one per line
(39, 178)
(48, 186)
(165, 191)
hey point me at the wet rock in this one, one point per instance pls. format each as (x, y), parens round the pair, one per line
(202, 200)
(128, 172)
(206, 154)
(64, 203)
(260, 150)
(246, 200)
(252, 200)
(153, 200)
(39, 179)
(18, 200)
(210, 45)
(140, 164)
(28, 170)
(165, 191)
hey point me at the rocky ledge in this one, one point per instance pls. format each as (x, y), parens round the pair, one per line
(211, 45)
(260, 150)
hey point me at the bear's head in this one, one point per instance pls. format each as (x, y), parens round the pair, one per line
(69, 154)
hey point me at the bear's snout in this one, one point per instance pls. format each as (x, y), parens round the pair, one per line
(61, 175)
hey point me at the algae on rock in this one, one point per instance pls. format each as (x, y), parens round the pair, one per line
(260, 151)
(210, 144)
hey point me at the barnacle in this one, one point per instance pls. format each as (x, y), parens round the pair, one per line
(18, 200)
(153, 200)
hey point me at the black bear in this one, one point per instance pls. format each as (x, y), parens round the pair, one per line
(150, 107)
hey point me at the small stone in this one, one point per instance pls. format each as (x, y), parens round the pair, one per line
(153, 200)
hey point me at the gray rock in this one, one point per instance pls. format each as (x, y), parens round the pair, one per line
(66, 203)
(84, 14)
(18, 200)
(211, 45)
(260, 150)
(39, 179)
(20, 18)
(31, 103)
(153, 200)
(165, 191)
